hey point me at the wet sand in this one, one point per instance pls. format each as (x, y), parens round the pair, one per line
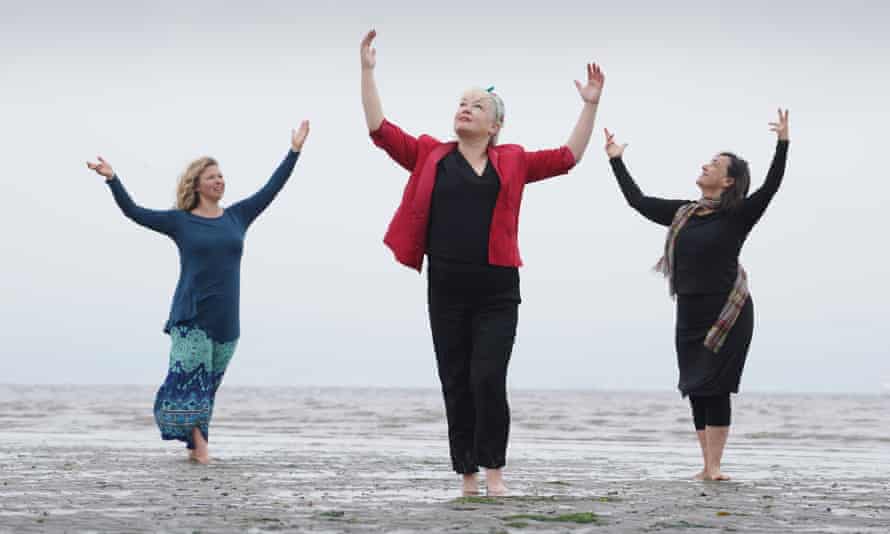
(92, 467)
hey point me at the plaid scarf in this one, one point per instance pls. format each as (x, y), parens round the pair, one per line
(737, 297)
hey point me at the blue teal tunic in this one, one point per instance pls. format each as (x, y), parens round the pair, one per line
(210, 249)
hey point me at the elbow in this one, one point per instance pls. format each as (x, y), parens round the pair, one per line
(374, 121)
(376, 130)
(374, 124)
(635, 202)
(132, 217)
(576, 152)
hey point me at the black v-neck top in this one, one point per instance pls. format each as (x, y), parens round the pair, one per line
(461, 210)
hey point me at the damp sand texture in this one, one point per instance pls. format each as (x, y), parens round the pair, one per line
(76, 459)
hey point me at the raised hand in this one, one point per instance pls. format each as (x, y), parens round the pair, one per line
(369, 54)
(613, 149)
(781, 127)
(591, 91)
(103, 168)
(298, 136)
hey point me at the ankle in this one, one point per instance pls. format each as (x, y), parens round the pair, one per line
(494, 477)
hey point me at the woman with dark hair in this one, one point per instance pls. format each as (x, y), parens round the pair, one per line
(461, 209)
(203, 323)
(715, 314)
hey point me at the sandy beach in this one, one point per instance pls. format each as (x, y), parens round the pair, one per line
(81, 459)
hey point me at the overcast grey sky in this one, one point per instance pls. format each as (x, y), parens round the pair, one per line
(151, 86)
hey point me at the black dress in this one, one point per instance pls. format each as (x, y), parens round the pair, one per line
(706, 262)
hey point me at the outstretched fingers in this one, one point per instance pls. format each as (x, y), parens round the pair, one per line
(594, 73)
(369, 37)
(102, 167)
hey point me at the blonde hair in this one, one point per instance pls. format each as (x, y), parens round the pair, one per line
(497, 107)
(187, 189)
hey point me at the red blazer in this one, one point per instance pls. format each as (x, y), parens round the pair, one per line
(515, 166)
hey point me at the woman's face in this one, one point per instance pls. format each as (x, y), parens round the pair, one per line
(475, 116)
(211, 184)
(714, 175)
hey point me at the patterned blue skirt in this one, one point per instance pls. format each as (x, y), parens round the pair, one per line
(185, 400)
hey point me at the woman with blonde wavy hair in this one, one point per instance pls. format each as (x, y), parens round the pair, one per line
(203, 321)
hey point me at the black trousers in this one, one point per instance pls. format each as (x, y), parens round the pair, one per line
(473, 315)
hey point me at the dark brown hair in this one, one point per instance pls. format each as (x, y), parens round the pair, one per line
(740, 173)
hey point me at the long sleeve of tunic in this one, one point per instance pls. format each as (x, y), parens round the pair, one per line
(658, 210)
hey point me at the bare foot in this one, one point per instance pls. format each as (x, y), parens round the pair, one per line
(497, 490)
(716, 476)
(494, 482)
(199, 453)
(471, 485)
(700, 475)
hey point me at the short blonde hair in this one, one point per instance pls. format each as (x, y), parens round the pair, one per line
(187, 189)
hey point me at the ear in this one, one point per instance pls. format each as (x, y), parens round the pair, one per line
(728, 181)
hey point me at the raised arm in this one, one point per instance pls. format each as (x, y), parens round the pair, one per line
(657, 210)
(400, 146)
(250, 208)
(163, 221)
(753, 207)
(554, 162)
(590, 95)
(370, 96)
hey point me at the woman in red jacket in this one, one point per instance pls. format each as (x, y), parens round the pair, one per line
(461, 208)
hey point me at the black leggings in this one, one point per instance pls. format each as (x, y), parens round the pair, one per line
(711, 410)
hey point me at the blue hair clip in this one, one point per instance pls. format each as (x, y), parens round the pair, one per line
(490, 89)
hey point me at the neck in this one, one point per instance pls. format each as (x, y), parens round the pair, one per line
(474, 148)
(207, 206)
(713, 195)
